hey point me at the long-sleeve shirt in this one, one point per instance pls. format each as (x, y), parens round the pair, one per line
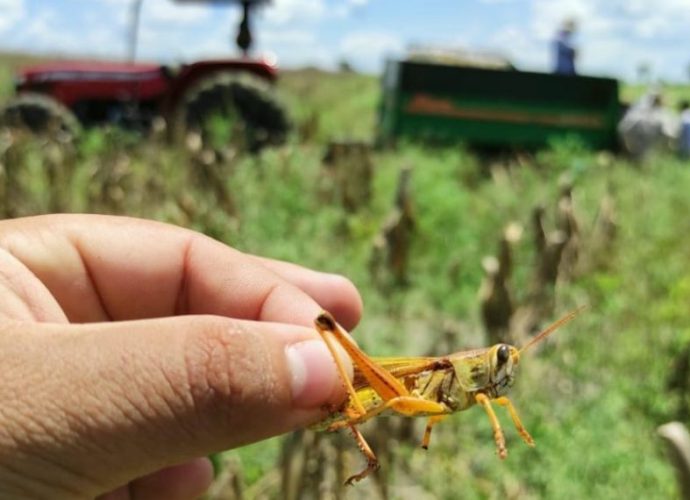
(565, 54)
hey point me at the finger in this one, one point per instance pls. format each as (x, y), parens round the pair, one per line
(121, 400)
(121, 493)
(100, 268)
(332, 292)
(22, 295)
(178, 482)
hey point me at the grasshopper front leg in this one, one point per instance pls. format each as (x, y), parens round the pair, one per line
(433, 420)
(504, 401)
(500, 439)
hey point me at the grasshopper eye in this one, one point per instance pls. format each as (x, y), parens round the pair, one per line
(502, 354)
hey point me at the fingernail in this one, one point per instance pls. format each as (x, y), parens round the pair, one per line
(314, 375)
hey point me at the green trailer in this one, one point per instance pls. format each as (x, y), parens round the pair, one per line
(495, 108)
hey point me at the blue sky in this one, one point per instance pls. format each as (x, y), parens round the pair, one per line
(614, 38)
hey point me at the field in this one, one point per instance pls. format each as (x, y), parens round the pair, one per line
(592, 398)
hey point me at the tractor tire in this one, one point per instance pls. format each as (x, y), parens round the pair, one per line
(244, 101)
(41, 115)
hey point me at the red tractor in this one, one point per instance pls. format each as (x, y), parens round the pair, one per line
(67, 95)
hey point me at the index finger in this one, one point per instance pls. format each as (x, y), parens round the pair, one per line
(116, 268)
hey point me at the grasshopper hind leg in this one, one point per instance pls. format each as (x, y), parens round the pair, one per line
(372, 461)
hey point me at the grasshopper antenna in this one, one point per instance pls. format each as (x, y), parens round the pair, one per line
(552, 328)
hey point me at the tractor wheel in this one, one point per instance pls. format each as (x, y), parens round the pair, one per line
(41, 115)
(231, 108)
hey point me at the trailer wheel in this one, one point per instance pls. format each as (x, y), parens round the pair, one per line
(41, 115)
(231, 107)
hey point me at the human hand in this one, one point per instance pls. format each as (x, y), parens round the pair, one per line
(129, 347)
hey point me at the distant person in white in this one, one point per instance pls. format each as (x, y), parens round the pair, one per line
(684, 132)
(647, 125)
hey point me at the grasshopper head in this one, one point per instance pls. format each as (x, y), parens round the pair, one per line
(503, 360)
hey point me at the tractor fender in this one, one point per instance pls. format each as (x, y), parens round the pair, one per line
(190, 75)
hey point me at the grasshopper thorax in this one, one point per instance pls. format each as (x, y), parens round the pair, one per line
(503, 360)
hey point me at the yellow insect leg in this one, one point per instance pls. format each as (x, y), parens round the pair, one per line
(372, 461)
(379, 379)
(483, 400)
(429, 425)
(409, 406)
(341, 369)
(504, 401)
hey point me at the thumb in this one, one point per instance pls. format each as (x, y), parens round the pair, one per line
(96, 405)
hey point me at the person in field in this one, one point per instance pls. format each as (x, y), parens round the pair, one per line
(564, 50)
(684, 132)
(648, 125)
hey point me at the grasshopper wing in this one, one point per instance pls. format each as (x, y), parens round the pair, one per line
(399, 367)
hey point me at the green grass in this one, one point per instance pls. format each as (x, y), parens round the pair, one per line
(594, 400)
(9, 64)
(592, 397)
(673, 93)
(344, 105)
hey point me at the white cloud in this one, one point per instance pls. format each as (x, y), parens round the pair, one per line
(366, 50)
(300, 12)
(612, 38)
(167, 11)
(345, 9)
(184, 43)
(284, 12)
(525, 51)
(548, 15)
(288, 37)
(39, 34)
(164, 31)
(659, 18)
(294, 47)
(643, 18)
(12, 11)
(162, 11)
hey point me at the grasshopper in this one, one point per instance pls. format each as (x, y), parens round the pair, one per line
(432, 387)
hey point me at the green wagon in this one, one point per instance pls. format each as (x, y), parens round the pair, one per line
(495, 108)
